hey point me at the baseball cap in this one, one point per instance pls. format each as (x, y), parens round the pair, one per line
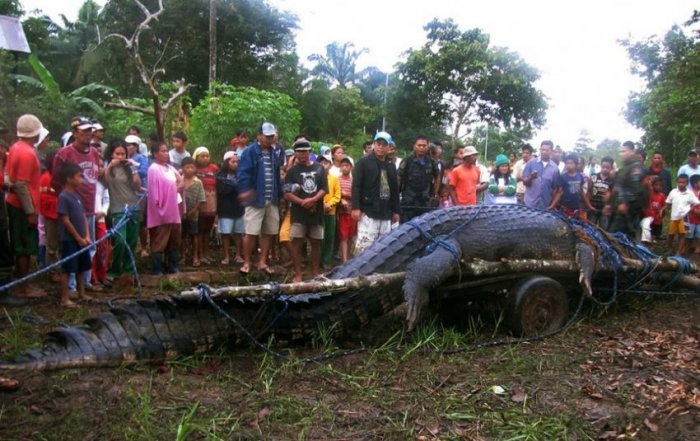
(385, 136)
(324, 149)
(97, 126)
(132, 139)
(302, 144)
(268, 129)
(80, 123)
(347, 159)
(326, 157)
(229, 154)
(289, 152)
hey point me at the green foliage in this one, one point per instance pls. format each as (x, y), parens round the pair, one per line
(499, 141)
(227, 109)
(668, 109)
(334, 115)
(457, 78)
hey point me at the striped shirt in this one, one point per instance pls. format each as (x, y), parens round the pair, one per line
(267, 164)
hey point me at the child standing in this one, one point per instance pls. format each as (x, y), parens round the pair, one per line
(330, 202)
(48, 201)
(569, 195)
(194, 200)
(206, 172)
(347, 226)
(654, 211)
(445, 200)
(694, 217)
(502, 183)
(681, 200)
(73, 231)
(228, 208)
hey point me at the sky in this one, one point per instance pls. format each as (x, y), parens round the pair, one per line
(573, 43)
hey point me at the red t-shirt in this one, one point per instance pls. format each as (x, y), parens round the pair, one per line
(694, 215)
(465, 180)
(657, 201)
(208, 176)
(89, 161)
(23, 165)
(48, 198)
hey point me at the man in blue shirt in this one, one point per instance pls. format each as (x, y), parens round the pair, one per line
(260, 190)
(540, 177)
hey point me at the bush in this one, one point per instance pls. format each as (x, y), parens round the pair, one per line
(228, 109)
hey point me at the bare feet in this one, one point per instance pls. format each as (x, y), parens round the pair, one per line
(8, 384)
(69, 304)
(85, 297)
(30, 292)
(298, 278)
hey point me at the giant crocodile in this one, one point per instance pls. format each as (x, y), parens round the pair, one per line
(429, 249)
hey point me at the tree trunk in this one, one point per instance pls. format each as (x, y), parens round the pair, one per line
(212, 42)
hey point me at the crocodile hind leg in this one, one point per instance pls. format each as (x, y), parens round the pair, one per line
(426, 273)
(585, 258)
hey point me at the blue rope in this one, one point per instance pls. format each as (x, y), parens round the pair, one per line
(129, 210)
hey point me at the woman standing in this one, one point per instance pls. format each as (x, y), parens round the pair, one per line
(164, 210)
(502, 183)
(122, 185)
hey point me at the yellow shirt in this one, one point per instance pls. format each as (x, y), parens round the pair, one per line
(332, 198)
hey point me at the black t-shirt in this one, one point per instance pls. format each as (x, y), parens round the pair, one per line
(309, 180)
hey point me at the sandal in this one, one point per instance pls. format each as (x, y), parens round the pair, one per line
(245, 269)
(224, 262)
(238, 260)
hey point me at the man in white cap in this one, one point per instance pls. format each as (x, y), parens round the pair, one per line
(23, 172)
(375, 193)
(260, 188)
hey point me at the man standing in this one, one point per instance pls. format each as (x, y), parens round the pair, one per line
(540, 178)
(657, 169)
(419, 180)
(630, 196)
(518, 169)
(466, 180)
(260, 190)
(305, 185)
(436, 155)
(691, 168)
(80, 152)
(375, 193)
(24, 171)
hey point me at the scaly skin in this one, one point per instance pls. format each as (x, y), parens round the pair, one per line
(144, 331)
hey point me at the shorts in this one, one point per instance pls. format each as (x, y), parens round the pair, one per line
(347, 226)
(190, 227)
(693, 231)
(676, 227)
(301, 231)
(369, 230)
(205, 224)
(228, 225)
(286, 227)
(24, 238)
(265, 220)
(77, 264)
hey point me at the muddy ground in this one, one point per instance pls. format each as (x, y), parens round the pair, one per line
(631, 371)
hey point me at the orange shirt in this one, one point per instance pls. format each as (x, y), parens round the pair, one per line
(465, 180)
(23, 165)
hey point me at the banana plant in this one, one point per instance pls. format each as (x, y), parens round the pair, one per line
(80, 96)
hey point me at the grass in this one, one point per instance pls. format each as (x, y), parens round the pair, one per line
(403, 388)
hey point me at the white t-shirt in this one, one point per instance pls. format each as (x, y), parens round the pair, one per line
(177, 157)
(681, 202)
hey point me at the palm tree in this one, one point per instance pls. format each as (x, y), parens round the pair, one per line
(338, 65)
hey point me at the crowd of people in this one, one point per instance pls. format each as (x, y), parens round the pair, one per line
(294, 207)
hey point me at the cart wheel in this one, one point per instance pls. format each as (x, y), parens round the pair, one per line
(536, 305)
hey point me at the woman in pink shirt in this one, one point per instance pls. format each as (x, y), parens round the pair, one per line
(164, 212)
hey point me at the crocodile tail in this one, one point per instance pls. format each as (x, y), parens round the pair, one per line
(139, 331)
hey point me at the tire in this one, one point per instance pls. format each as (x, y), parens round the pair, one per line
(536, 305)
